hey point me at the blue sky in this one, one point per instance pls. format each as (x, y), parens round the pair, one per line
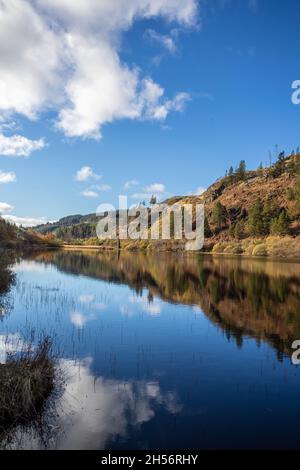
(166, 97)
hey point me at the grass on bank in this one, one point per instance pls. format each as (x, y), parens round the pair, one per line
(26, 381)
(272, 246)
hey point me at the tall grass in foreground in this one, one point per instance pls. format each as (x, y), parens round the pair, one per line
(26, 381)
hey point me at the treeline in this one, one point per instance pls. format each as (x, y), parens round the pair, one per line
(79, 231)
(261, 220)
(264, 217)
(234, 176)
(284, 164)
(8, 232)
(14, 237)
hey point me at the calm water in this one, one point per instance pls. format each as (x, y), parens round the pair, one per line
(161, 352)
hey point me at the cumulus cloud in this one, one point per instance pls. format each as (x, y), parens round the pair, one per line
(155, 188)
(25, 221)
(65, 56)
(85, 174)
(17, 145)
(9, 177)
(152, 308)
(79, 320)
(4, 207)
(130, 184)
(89, 193)
(94, 411)
(166, 41)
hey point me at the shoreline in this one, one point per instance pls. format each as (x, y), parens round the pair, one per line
(291, 258)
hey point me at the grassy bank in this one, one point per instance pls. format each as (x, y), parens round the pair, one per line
(26, 382)
(272, 246)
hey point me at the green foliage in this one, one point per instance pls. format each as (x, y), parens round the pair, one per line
(241, 171)
(207, 231)
(239, 230)
(8, 232)
(270, 211)
(297, 184)
(256, 226)
(280, 224)
(280, 167)
(290, 194)
(79, 231)
(260, 250)
(219, 215)
(267, 218)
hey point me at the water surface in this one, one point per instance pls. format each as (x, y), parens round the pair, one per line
(161, 351)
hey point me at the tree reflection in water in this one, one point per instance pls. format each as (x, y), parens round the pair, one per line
(255, 297)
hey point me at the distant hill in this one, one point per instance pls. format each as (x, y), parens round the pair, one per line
(68, 221)
(240, 207)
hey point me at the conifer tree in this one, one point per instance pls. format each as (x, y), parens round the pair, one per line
(239, 230)
(241, 171)
(219, 215)
(255, 220)
(280, 224)
(207, 231)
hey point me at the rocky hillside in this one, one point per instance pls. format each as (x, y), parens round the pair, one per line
(243, 209)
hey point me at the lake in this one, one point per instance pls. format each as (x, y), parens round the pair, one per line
(160, 351)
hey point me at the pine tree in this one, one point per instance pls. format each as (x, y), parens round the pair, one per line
(239, 230)
(207, 231)
(231, 175)
(255, 220)
(270, 211)
(219, 215)
(280, 224)
(241, 171)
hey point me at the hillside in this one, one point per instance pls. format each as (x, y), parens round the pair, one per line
(245, 211)
(15, 238)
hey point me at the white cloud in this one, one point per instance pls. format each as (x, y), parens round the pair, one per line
(155, 188)
(17, 145)
(85, 174)
(89, 193)
(9, 177)
(79, 319)
(152, 308)
(25, 221)
(130, 184)
(4, 207)
(94, 411)
(166, 41)
(151, 104)
(63, 55)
